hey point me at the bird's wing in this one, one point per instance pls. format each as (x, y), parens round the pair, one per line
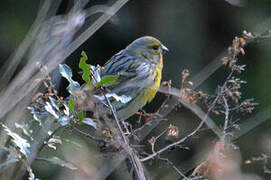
(132, 73)
(122, 65)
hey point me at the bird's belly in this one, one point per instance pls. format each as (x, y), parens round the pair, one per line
(146, 91)
(152, 89)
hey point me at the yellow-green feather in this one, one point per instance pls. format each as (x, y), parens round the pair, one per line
(151, 91)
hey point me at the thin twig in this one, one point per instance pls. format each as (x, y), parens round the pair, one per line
(183, 139)
(88, 135)
(219, 94)
(226, 115)
(174, 167)
(153, 140)
(132, 156)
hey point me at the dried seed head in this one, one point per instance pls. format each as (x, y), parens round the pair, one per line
(247, 35)
(235, 43)
(237, 94)
(36, 96)
(182, 92)
(152, 141)
(164, 83)
(242, 42)
(173, 131)
(248, 162)
(201, 94)
(188, 90)
(101, 68)
(185, 74)
(229, 93)
(192, 100)
(225, 61)
(190, 83)
(107, 134)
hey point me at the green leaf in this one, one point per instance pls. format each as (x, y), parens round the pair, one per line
(85, 67)
(53, 142)
(89, 122)
(54, 103)
(107, 80)
(71, 104)
(49, 108)
(26, 130)
(64, 120)
(123, 99)
(81, 116)
(36, 115)
(66, 72)
(22, 144)
(31, 174)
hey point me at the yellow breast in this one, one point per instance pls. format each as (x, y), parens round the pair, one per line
(152, 90)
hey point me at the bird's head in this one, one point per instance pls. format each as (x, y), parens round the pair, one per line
(148, 48)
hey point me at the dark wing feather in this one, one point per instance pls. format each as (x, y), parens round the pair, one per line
(126, 67)
(122, 65)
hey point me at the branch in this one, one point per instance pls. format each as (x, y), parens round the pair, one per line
(183, 139)
(89, 136)
(226, 115)
(136, 164)
(174, 167)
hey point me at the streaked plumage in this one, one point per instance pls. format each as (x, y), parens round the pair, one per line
(139, 67)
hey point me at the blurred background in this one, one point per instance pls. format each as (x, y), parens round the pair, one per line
(196, 32)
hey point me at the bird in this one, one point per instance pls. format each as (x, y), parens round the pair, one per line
(139, 70)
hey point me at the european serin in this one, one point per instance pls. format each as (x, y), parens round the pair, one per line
(139, 67)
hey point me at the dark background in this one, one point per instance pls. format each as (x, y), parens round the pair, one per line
(196, 32)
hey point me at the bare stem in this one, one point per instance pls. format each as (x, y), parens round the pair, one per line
(185, 138)
(174, 167)
(226, 115)
(132, 156)
(88, 135)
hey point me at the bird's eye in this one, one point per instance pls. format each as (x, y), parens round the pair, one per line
(155, 47)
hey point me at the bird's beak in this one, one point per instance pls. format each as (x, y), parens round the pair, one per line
(164, 49)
